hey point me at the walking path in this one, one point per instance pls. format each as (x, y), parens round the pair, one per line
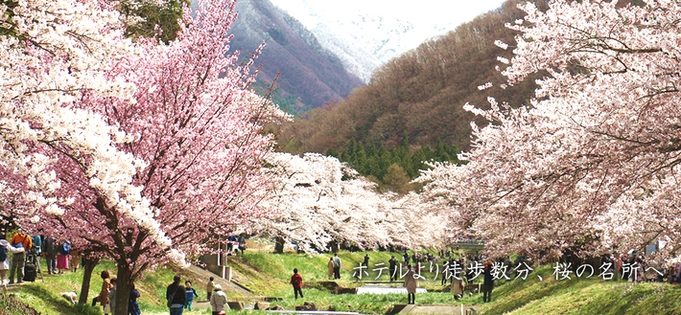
(439, 309)
(249, 299)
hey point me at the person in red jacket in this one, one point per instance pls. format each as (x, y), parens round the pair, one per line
(297, 282)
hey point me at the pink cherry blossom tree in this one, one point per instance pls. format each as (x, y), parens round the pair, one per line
(591, 163)
(53, 53)
(189, 118)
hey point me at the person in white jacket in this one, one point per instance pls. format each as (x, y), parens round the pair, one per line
(4, 263)
(218, 300)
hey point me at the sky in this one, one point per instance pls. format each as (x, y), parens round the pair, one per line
(421, 12)
(366, 34)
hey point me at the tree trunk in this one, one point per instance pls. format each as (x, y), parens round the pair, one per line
(90, 264)
(279, 245)
(333, 245)
(123, 287)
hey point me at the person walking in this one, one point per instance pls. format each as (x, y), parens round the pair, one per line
(210, 286)
(488, 283)
(50, 251)
(176, 296)
(297, 282)
(191, 293)
(329, 268)
(20, 239)
(103, 297)
(242, 244)
(446, 269)
(112, 295)
(218, 300)
(4, 261)
(133, 307)
(411, 283)
(36, 250)
(232, 240)
(366, 260)
(458, 286)
(393, 268)
(74, 258)
(63, 256)
(336, 266)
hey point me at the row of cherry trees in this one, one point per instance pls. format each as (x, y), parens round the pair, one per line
(591, 163)
(142, 151)
(318, 202)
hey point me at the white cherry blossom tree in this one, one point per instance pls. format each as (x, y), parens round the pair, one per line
(320, 201)
(591, 163)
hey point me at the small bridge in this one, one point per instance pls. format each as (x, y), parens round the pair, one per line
(385, 290)
(470, 245)
(435, 309)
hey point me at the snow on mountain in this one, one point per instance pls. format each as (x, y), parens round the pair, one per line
(307, 74)
(366, 34)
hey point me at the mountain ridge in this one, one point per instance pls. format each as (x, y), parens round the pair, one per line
(310, 75)
(420, 94)
(367, 34)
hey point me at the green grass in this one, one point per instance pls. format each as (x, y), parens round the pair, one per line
(268, 275)
(582, 296)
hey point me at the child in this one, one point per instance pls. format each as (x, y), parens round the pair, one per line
(112, 296)
(191, 293)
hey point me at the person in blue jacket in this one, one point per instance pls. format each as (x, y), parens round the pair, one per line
(191, 294)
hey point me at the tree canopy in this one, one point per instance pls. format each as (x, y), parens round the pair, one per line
(591, 163)
(130, 149)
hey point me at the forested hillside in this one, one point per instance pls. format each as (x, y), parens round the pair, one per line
(394, 168)
(420, 94)
(309, 75)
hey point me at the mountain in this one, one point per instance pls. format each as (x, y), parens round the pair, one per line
(366, 34)
(310, 75)
(420, 94)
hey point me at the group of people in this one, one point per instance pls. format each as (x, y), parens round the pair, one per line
(334, 266)
(457, 284)
(235, 245)
(22, 247)
(180, 297)
(457, 288)
(59, 256)
(107, 295)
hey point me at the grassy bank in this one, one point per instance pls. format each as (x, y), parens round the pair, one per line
(582, 296)
(268, 274)
(44, 294)
(264, 273)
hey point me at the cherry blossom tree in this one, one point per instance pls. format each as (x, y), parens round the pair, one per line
(314, 203)
(319, 201)
(415, 222)
(54, 52)
(48, 59)
(186, 113)
(590, 163)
